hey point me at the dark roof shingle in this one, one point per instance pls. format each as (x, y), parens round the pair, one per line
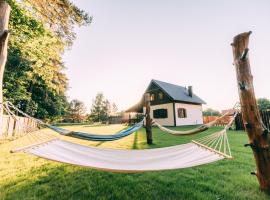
(178, 93)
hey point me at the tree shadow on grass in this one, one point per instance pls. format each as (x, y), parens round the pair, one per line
(61, 181)
(140, 141)
(99, 143)
(135, 141)
(220, 180)
(70, 182)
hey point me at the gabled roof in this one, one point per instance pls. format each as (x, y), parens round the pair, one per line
(177, 93)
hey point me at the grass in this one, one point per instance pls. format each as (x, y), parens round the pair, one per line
(28, 177)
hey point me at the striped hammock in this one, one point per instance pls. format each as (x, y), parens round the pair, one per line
(76, 134)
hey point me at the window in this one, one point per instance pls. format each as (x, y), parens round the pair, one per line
(160, 113)
(152, 97)
(182, 113)
(160, 95)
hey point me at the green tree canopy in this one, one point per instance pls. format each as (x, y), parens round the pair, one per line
(76, 111)
(263, 103)
(60, 16)
(34, 79)
(100, 109)
(211, 112)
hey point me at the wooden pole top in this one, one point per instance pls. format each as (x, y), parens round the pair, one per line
(147, 97)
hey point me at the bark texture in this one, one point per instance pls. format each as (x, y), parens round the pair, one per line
(258, 136)
(148, 120)
(4, 33)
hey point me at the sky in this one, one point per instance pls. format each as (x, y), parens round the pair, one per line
(184, 42)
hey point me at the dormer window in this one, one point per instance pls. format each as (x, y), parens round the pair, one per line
(152, 97)
(160, 95)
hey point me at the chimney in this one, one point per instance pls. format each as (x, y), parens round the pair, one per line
(190, 91)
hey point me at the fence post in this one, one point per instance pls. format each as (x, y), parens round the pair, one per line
(10, 127)
(148, 120)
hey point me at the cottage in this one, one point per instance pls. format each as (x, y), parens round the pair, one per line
(172, 105)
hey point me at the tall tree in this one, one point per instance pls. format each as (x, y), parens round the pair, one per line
(259, 137)
(4, 33)
(76, 111)
(34, 80)
(59, 15)
(114, 109)
(100, 108)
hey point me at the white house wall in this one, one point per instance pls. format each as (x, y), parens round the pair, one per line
(166, 121)
(194, 114)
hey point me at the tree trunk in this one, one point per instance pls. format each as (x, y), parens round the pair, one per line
(258, 136)
(4, 33)
(148, 121)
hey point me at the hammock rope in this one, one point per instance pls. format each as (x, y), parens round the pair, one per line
(221, 140)
(199, 129)
(23, 129)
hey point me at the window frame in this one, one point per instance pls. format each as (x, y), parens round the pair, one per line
(161, 113)
(182, 113)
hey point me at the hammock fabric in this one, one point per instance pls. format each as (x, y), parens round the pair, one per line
(95, 137)
(205, 150)
(176, 157)
(199, 129)
(181, 133)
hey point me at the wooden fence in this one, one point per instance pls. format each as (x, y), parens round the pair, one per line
(131, 118)
(15, 128)
(239, 125)
(222, 122)
(135, 119)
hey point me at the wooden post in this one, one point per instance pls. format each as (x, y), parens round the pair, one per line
(4, 33)
(148, 120)
(259, 138)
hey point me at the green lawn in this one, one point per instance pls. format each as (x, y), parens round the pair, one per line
(28, 177)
